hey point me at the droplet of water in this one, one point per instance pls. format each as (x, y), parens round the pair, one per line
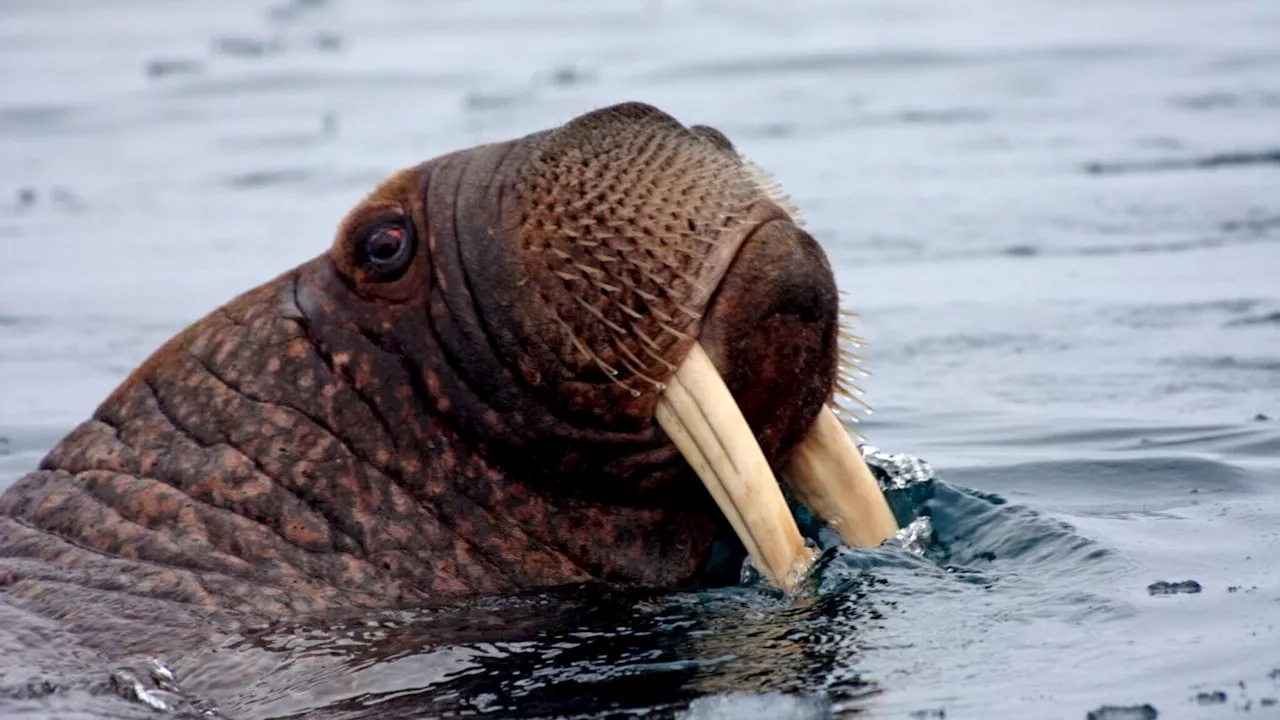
(129, 687)
(1162, 587)
(915, 537)
(160, 672)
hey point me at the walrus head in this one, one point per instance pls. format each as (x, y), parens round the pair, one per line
(511, 369)
(590, 287)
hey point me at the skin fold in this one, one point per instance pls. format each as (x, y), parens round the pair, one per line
(456, 399)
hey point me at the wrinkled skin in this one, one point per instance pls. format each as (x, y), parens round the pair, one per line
(355, 435)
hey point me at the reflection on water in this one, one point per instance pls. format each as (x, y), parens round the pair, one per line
(591, 653)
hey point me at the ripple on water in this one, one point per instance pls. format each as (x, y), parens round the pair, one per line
(1115, 486)
(584, 652)
(740, 651)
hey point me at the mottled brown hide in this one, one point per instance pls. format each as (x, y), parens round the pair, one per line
(457, 398)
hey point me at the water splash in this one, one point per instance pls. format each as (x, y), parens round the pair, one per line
(896, 471)
(915, 537)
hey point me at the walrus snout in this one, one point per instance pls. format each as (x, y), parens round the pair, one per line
(770, 337)
(637, 237)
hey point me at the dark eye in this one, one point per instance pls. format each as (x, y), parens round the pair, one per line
(388, 248)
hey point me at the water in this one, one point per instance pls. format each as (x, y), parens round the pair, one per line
(1058, 220)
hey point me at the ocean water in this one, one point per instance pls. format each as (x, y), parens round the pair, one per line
(1059, 221)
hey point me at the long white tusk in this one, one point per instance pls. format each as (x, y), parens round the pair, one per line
(829, 476)
(703, 420)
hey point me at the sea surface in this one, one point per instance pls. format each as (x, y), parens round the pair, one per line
(1059, 221)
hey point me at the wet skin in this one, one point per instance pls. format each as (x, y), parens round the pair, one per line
(457, 398)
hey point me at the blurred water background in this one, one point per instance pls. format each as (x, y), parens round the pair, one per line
(1059, 220)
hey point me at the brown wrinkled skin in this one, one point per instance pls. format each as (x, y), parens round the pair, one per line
(334, 440)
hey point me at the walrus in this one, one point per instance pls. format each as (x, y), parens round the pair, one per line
(566, 358)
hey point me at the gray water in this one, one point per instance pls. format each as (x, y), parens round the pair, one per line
(1059, 220)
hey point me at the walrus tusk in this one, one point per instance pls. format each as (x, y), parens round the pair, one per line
(829, 476)
(704, 421)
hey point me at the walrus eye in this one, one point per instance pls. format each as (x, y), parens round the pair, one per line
(388, 248)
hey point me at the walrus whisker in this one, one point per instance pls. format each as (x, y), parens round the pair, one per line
(588, 269)
(600, 316)
(645, 295)
(773, 189)
(676, 333)
(845, 385)
(629, 311)
(658, 313)
(658, 357)
(693, 314)
(609, 370)
(847, 394)
(852, 370)
(638, 368)
(848, 351)
(854, 340)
